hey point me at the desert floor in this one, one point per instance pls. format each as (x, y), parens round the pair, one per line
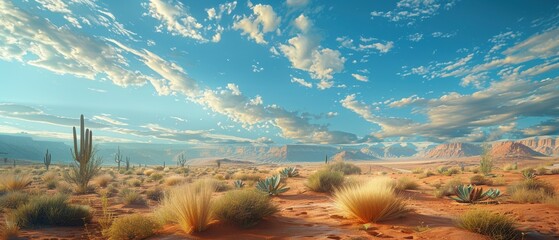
(310, 215)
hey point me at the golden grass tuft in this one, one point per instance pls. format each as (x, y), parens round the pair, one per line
(103, 180)
(406, 183)
(370, 202)
(14, 182)
(495, 226)
(189, 206)
(148, 172)
(174, 180)
(9, 230)
(134, 226)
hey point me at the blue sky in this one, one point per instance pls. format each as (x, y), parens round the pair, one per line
(295, 71)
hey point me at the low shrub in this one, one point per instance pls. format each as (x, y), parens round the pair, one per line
(49, 210)
(216, 185)
(155, 194)
(370, 202)
(495, 226)
(541, 171)
(146, 172)
(9, 230)
(345, 168)
(244, 208)
(135, 182)
(246, 177)
(480, 180)
(155, 176)
(189, 206)
(417, 171)
(406, 183)
(447, 189)
(132, 197)
(103, 180)
(325, 181)
(14, 182)
(531, 191)
(174, 180)
(132, 227)
(13, 200)
(555, 171)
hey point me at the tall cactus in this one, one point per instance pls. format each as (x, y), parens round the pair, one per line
(127, 163)
(118, 158)
(47, 159)
(87, 165)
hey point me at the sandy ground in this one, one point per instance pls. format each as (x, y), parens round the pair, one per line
(309, 215)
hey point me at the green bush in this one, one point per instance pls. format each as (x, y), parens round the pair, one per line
(325, 181)
(495, 226)
(13, 200)
(132, 227)
(244, 208)
(51, 211)
(346, 168)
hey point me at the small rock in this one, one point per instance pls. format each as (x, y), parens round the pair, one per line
(336, 216)
(303, 213)
(289, 208)
(408, 237)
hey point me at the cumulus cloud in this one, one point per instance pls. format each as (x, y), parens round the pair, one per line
(301, 82)
(366, 45)
(263, 20)
(360, 77)
(548, 127)
(175, 19)
(304, 53)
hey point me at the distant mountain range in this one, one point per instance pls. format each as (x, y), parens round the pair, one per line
(25, 147)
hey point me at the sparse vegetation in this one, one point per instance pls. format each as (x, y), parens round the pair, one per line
(132, 197)
(243, 207)
(13, 200)
(155, 194)
(446, 189)
(470, 194)
(272, 185)
(174, 180)
(325, 180)
(406, 183)
(495, 226)
(189, 206)
(133, 227)
(289, 172)
(49, 210)
(486, 162)
(345, 168)
(531, 191)
(14, 182)
(103, 180)
(480, 180)
(370, 202)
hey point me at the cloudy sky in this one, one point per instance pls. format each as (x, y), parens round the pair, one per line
(295, 71)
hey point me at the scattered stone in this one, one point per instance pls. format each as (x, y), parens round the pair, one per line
(408, 237)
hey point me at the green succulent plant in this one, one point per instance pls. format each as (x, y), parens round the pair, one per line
(471, 194)
(529, 173)
(271, 185)
(239, 183)
(289, 172)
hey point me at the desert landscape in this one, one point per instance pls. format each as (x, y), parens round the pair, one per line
(291, 119)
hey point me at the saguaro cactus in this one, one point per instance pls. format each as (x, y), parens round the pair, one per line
(181, 161)
(87, 166)
(127, 163)
(47, 159)
(118, 158)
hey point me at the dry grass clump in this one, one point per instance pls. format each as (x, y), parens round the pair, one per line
(103, 180)
(531, 191)
(370, 202)
(132, 197)
(155, 194)
(244, 208)
(325, 180)
(49, 176)
(14, 182)
(132, 227)
(134, 182)
(63, 188)
(13, 200)
(9, 230)
(480, 180)
(406, 183)
(216, 185)
(50, 211)
(495, 226)
(148, 172)
(346, 168)
(174, 180)
(189, 206)
(447, 189)
(246, 177)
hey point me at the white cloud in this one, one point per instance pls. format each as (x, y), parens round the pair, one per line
(301, 82)
(383, 48)
(297, 3)
(175, 19)
(416, 37)
(411, 11)
(54, 5)
(107, 118)
(304, 53)
(442, 35)
(360, 77)
(263, 20)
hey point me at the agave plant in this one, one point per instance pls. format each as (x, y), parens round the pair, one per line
(289, 172)
(529, 173)
(271, 185)
(471, 194)
(239, 183)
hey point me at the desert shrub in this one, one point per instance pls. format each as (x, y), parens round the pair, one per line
(425, 174)
(174, 180)
(83, 170)
(134, 182)
(531, 191)
(499, 181)
(51, 184)
(219, 176)
(406, 183)
(370, 202)
(246, 177)
(555, 171)
(495, 226)
(9, 230)
(417, 171)
(345, 168)
(486, 161)
(480, 180)
(133, 227)
(447, 189)
(155, 176)
(49, 176)
(541, 171)
(325, 181)
(451, 171)
(189, 206)
(63, 188)
(147, 172)
(13, 200)
(216, 185)
(103, 180)
(132, 197)
(14, 182)
(155, 194)
(51, 211)
(244, 208)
